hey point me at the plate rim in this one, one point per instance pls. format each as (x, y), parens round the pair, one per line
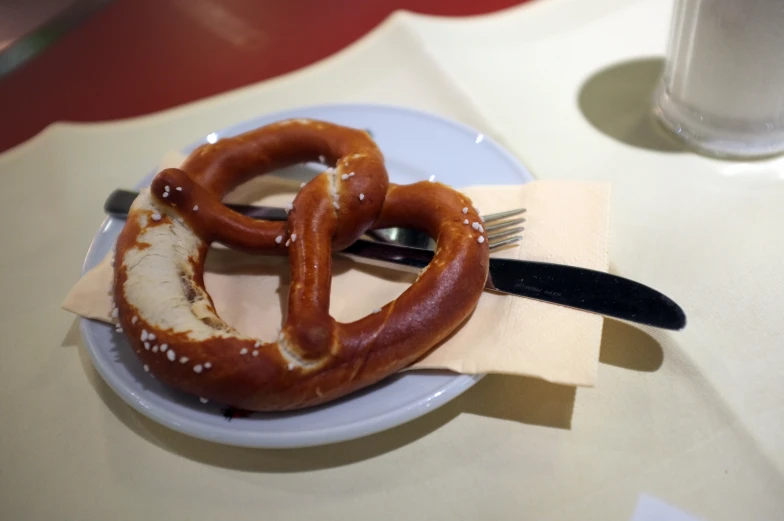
(346, 432)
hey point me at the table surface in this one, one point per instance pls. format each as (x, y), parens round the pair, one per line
(680, 425)
(134, 57)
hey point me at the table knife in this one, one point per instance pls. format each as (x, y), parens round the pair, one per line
(569, 286)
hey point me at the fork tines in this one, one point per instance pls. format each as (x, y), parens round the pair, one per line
(495, 223)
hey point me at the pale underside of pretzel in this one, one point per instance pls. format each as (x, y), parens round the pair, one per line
(169, 317)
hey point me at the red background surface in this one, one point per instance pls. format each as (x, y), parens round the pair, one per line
(134, 57)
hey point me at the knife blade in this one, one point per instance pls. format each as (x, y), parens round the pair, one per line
(564, 285)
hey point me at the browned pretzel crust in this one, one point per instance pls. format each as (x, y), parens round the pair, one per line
(170, 319)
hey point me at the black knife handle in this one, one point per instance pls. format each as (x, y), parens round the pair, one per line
(588, 290)
(570, 286)
(118, 204)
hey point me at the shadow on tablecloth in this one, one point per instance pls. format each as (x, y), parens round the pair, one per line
(617, 101)
(526, 401)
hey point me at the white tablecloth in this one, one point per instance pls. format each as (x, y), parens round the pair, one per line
(680, 425)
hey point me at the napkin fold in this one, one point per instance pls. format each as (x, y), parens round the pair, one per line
(566, 222)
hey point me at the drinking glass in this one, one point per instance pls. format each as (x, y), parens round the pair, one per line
(722, 90)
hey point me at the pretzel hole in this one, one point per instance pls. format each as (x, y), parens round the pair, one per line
(360, 288)
(273, 184)
(249, 291)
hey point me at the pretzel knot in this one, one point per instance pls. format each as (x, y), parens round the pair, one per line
(170, 319)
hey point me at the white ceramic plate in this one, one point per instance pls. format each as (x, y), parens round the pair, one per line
(416, 145)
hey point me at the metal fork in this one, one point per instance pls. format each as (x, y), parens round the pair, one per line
(499, 223)
(119, 202)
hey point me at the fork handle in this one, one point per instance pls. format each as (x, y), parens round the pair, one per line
(118, 204)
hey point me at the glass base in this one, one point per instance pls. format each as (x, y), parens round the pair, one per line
(716, 138)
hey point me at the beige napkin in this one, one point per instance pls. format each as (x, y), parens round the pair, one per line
(566, 222)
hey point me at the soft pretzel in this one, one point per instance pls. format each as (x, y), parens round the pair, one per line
(169, 317)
